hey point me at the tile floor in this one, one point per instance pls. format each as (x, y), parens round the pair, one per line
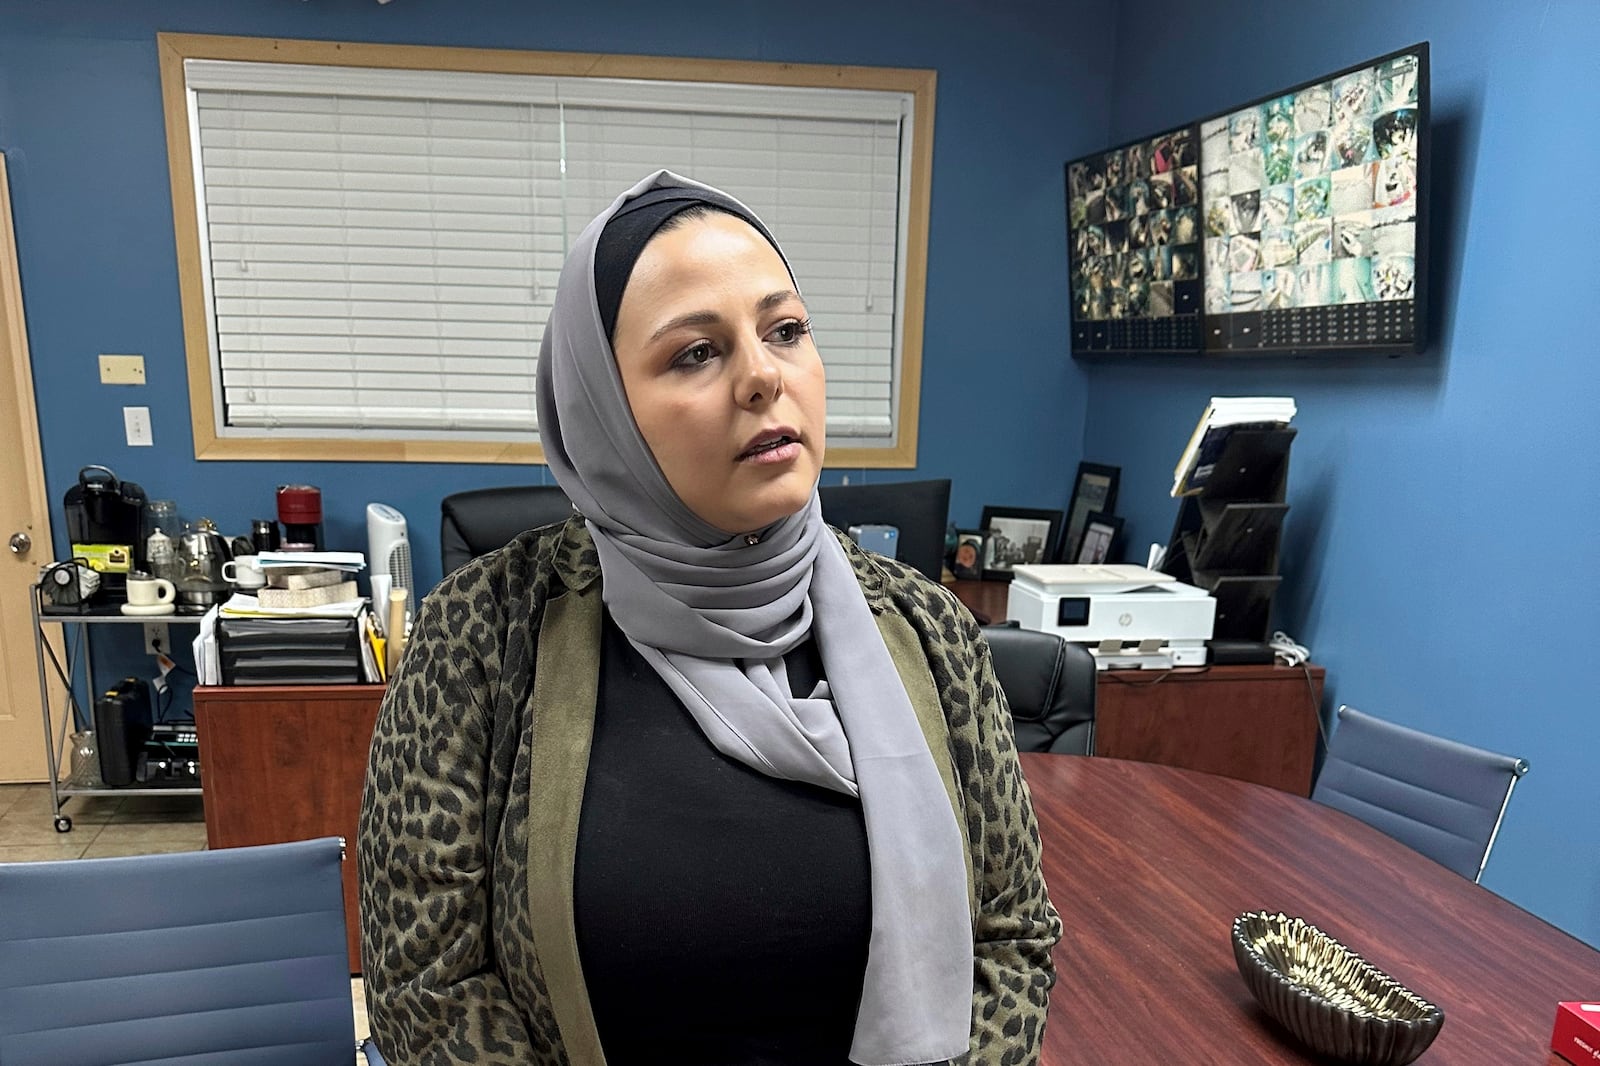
(103, 826)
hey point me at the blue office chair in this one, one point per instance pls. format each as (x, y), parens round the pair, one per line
(234, 957)
(1443, 799)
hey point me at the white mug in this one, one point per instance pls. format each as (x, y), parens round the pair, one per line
(147, 591)
(244, 571)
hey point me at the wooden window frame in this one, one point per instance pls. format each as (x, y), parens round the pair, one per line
(174, 48)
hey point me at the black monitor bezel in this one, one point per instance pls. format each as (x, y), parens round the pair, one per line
(1193, 130)
(1421, 301)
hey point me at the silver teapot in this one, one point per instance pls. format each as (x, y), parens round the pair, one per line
(201, 553)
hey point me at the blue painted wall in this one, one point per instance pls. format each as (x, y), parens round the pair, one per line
(82, 127)
(1443, 507)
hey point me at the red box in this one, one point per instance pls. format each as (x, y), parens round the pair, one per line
(1577, 1035)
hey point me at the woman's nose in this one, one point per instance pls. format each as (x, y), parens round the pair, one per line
(760, 378)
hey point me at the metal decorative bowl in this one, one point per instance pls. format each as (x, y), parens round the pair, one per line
(1331, 999)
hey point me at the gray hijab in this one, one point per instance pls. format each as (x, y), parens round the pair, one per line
(714, 615)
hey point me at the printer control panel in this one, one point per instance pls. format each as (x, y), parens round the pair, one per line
(1072, 611)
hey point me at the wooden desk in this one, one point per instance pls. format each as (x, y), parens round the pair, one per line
(1149, 865)
(287, 762)
(985, 599)
(1254, 723)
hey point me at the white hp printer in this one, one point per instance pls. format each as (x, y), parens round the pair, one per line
(1130, 617)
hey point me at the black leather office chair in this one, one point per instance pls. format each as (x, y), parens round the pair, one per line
(918, 509)
(1050, 685)
(1442, 798)
(479, 521)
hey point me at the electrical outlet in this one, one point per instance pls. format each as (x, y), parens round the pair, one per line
(155, 639)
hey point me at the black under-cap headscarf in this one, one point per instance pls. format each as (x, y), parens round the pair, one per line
(630, 229)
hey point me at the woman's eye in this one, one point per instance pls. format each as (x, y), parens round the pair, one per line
(790, 332)
(699, 355)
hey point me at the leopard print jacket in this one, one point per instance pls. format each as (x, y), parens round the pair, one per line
(468, 949)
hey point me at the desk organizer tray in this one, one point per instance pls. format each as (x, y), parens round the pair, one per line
(289, 651)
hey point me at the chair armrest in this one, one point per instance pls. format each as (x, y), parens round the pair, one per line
(370, 1050)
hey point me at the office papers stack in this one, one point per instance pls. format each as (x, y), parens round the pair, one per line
(1223, 416)
(308, 626)
(349, 562)
(304, 580)
(326, 643)
(244, 605)
(207, 667)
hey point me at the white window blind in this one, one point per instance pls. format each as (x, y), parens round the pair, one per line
(382, 246)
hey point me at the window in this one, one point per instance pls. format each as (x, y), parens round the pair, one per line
(371, 235)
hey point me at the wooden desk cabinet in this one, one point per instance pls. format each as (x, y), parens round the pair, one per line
(287, 762)
(1254, 723)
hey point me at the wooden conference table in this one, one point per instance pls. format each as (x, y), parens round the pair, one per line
(1149, 864)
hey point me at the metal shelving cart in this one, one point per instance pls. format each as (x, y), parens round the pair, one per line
(84, 780)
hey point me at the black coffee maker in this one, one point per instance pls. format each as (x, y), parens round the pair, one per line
(105, 525)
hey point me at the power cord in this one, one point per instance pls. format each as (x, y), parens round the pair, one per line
(1287, 651)
(162, 705)
(1290, 653)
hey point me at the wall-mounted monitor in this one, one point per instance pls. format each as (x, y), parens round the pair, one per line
(1313, 208)
(1134, 234)
(1313, 214)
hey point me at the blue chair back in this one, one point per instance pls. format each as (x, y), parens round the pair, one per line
(1442, 798)
(234, 957)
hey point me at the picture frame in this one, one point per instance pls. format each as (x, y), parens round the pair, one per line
(968, 562)
(1093, 490)
(1014, 536)
(1102, 537)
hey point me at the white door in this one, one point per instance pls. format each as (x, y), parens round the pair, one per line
(24, 525)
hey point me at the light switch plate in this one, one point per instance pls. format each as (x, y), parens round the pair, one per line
(122, 370)
(136, 423)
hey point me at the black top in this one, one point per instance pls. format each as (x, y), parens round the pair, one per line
(722, 915)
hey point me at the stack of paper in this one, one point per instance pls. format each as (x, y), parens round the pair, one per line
(242, 605)
(351, 562)
(1222, 416)
(207, 666)
(306, 580)
(301, 587)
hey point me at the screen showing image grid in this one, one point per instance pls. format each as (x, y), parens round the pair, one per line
(1310, 204)
(1134, 232)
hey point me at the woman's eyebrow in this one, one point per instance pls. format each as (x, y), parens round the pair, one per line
(773, 299)
(708, 318)
(693, 318)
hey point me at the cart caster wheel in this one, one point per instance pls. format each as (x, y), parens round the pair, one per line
(63, 824)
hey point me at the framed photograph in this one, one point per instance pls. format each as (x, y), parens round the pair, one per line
(1100, 536)
(968, 564)
(1016, 536)
(1094, 490)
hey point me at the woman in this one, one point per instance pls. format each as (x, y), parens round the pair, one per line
(691, 778)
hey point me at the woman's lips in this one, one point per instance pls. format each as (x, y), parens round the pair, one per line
(783, 453)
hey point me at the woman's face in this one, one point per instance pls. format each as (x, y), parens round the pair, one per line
(715, 352)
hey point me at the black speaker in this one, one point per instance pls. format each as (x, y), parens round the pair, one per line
(121, 726)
